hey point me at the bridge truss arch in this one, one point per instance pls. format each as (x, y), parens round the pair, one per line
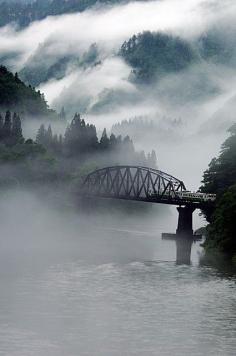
(133, 183)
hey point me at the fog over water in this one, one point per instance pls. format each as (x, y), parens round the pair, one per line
(73, 283)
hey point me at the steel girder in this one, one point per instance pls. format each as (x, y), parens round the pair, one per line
(133, 183)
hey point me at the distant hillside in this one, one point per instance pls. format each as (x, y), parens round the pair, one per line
(152, 55)
(143, 130)
(24, 13)
(37, 70)
(16, 96)
(218, 45)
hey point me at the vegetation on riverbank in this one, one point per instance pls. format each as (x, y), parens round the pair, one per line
(220, 178)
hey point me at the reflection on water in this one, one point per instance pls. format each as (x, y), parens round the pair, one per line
(102, 290)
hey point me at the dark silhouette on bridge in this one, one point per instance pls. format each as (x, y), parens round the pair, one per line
(146, 185)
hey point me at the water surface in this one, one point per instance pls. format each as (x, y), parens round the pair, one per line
(106, 288)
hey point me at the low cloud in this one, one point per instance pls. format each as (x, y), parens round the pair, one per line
(110, 27)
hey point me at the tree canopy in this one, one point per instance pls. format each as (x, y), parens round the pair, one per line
(220, 178)
(221, 173)
(80, 141)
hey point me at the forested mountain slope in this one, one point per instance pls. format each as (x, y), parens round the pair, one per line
(15, 95)
(153, 54)
(24, 13)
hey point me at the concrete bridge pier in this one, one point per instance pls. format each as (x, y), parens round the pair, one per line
(185, 221)
(184, 235)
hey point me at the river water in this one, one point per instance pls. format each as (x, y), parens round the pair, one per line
(72, 286)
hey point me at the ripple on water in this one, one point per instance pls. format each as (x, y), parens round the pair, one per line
(137, 308)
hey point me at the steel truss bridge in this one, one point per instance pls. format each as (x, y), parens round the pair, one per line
(136, 183)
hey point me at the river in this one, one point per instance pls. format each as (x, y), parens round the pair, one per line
(72, 286)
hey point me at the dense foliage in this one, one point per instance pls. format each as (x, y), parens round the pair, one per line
(81, 142)
(56, 158)
(10, 129)
(220, 178)
(153, 54)
(22, 161)
(221, 173)
(222, 231)
(17, 96)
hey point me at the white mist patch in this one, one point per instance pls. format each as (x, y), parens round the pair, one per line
(112, 73)
(54, 87)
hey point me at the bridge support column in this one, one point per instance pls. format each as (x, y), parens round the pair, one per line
(185, 221)
(184, 235)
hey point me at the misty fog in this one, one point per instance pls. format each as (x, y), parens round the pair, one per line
(103, 284)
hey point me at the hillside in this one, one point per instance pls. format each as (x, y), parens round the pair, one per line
(24, 13)
(16, 96)
(151, 55)
(36, 70)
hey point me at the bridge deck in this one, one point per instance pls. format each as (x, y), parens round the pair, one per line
(175, 202)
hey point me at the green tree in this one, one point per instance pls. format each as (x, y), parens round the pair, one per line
(104, 141)
(16, 132)
(41, 135)
(221, 173)
(1, 127)
(7, 127)
(80, 138)
(220, 178)
(152, 159)
(222, 230)
(113, 142)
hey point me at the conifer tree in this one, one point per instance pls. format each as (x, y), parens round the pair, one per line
(16, 132)
(113, 141)
(41, 135)
(152, 159)
(104, 142)
(1, 127)
(79, 137)
(7, 127)
(221, 173)
(128, 145)
(60, 143)
(49, 135)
